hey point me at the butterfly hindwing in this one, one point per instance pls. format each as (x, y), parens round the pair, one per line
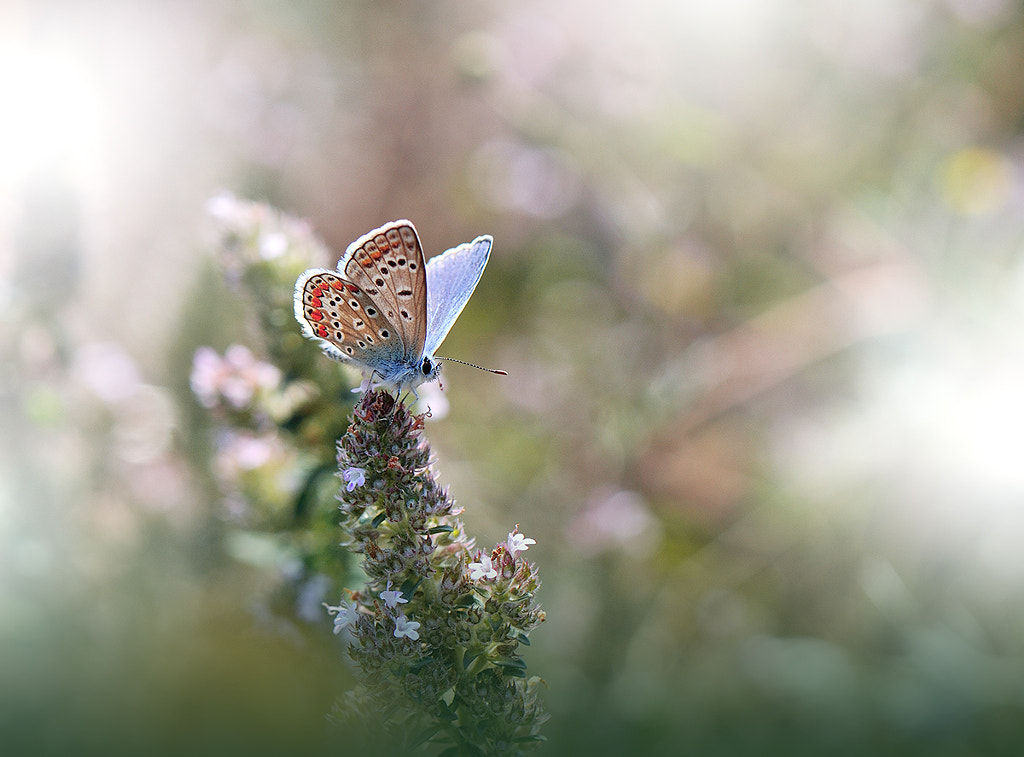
(344, 318)
(387, 264)
(451, 279)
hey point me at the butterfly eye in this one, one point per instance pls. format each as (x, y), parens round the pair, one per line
(427, 366)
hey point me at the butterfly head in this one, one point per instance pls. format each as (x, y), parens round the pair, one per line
(429, 368)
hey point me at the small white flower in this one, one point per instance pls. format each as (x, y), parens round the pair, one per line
(482, 569)
(236, 390)
(205, 377)
(393, 598)
(353, 477)
(272, 245)
(406, 627)
(518, 543)
(223, 206)
(236, 377)
(433, 400)
(250, 452)
(343, 616)
(242, 451)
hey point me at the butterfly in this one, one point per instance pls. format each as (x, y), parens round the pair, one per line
(384, 309)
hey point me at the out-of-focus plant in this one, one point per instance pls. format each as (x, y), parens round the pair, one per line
(275, 410)
(436, 630)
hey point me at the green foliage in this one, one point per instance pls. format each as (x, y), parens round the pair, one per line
(457, 678)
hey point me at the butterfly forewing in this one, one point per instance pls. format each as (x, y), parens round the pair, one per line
(387, 266)
(451, 279)
(342, 314)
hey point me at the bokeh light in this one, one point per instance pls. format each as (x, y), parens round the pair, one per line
(53, 113)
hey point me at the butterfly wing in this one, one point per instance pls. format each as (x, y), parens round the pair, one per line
(387, 265)
(345, 320)
(450, 280)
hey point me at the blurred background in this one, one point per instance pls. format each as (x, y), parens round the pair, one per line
(757, 281)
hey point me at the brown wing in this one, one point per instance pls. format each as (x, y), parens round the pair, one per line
(387, 264)
(345, 317)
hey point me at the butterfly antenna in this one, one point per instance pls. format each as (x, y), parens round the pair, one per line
(474, 365)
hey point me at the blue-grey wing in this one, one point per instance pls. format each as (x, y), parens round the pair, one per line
(451, 279)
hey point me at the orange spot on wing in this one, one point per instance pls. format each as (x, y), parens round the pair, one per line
(321, 330)
(315, 302)
(353, 288)
(316, 315)
(337, 285)
(376, 255)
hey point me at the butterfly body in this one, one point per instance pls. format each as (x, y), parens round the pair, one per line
(384, 309)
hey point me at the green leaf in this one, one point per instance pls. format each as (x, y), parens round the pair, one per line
(409, 587)
(513, 664)
(441, 530)
(534, 737)
(448, 713)
(379, 519)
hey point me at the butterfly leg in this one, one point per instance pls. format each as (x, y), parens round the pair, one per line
(368, 384)
(403, 396)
